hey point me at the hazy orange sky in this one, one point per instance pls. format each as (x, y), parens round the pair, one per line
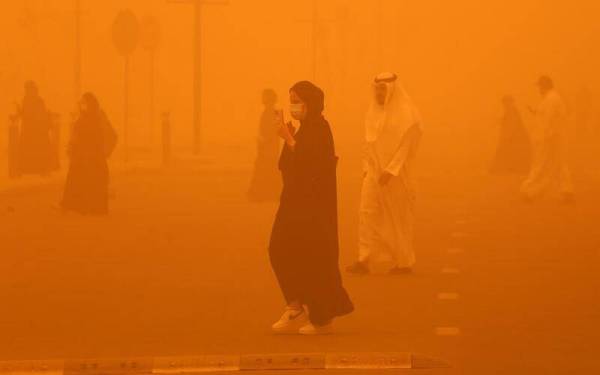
(456, 58)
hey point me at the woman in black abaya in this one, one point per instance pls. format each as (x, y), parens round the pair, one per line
(92, 141)
(513, 155)
(304, 246)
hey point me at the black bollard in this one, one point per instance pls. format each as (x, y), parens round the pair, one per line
(13, 149)
(55, 142)
(166, 137)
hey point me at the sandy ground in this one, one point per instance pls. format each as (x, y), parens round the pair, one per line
(180, 268)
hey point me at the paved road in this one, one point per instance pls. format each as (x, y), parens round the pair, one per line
(180, 268)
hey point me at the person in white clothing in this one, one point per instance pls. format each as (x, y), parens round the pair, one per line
(393, 132)
(549, 167)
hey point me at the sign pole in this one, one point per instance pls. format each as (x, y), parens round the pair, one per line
(197, 80)
(197, 76)
(126, 39)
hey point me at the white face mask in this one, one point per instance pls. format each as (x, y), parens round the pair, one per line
(297, 110)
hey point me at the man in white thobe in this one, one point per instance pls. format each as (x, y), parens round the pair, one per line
(549, 167)
(393, 131)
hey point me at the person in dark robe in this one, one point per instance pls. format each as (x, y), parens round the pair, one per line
(304, 248)
(92, 141)
(513, 154)
(266, 184)
(35, 147)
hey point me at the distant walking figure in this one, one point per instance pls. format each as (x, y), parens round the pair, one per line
(92, 141)
(513, 155)
(549, 167)
(35, 148)
(304, 247)
(266, 183)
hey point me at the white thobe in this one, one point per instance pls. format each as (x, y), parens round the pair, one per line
(549, 167)
(387, 212)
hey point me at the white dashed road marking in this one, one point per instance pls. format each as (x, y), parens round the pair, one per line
(459, 235)
(447, 296)
(447, 331)
(450, 271)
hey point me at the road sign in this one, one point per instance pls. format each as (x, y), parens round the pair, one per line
(126, 32)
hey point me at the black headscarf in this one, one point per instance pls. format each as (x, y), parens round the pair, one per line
(93, 106)
(312, 96)
(31, 89)
(32, 97)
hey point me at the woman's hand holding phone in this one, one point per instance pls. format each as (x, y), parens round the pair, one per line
(285, 130)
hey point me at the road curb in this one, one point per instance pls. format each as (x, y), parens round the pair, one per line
(223, 363)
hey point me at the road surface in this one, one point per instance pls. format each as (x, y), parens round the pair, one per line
(180, 268)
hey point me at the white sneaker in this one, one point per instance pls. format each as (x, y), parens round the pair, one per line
(313, 330)
(291, 321)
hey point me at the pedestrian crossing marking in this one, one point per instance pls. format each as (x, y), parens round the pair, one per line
(32, 367)
(311, 361)
(365, 361)
(108, 366)
(199, 364)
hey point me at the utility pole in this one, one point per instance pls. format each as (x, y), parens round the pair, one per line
(126, 38)
(380, 29)
(77, 62)
(150, 39)
(198, 6)
(315, 21)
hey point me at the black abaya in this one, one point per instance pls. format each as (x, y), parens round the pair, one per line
(304, 247)
(513, 155)
(86, 188)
